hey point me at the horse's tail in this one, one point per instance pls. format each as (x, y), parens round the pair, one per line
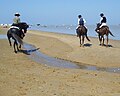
(17, 38)
(111, 34)
(87, 37)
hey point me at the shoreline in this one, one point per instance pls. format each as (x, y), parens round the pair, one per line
(71, 30)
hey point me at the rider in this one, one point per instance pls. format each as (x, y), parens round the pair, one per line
(81, 21)
(16, 21)
(103, 20)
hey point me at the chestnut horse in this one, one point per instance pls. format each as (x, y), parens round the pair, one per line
(101, 32)
(82, 33)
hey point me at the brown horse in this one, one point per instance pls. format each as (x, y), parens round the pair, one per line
(101, 32)
(82, 33)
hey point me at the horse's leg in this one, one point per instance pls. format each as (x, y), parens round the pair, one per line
(80, 40)
(16, 45)
(9, 41)
(20, 46)
(102, 40)
(83, 40)
(100, 37)
(107, 41)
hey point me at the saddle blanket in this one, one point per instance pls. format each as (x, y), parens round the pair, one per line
(14, 27)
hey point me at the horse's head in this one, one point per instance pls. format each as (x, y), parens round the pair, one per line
(21, 34)
(23, 26)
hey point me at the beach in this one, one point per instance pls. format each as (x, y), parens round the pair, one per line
(20, 76)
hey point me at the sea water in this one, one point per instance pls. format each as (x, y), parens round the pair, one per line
(71, 29)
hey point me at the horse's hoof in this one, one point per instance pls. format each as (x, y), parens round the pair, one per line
(15, 51)
(107, 46)
(18, 49)
(82, 45)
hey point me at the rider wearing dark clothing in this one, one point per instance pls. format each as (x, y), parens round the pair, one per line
(103, 20)
(81, 22)
(101, 23)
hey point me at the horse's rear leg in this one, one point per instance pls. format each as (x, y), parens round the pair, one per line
(100, 39)
(83, 40)
(80, 40)
(20, 47)
(16, 45)
(9, 41)
(103, 40)
(107, 42)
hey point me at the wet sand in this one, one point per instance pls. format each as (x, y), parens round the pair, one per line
(67, 47)
(21, 76)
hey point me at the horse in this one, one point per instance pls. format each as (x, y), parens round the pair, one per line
(104, 30)
(17, 33)
(82, 33)
(22, 26)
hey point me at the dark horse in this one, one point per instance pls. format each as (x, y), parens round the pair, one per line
(82, 33)
(17, 33)
(101, 32)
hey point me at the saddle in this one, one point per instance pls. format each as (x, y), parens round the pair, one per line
(14, 27)
(82, 26)
(98, 27)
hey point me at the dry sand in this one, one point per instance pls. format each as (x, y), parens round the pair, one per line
(20, 76)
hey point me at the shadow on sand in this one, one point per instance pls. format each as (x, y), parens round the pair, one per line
(27, 52)
(107, 45)
(87, 45)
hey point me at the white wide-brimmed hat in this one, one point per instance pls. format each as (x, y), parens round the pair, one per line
(17, 14)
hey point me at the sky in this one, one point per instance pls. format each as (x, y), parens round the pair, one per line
(57, 12)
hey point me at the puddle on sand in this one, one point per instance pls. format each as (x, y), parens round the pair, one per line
(41, 58)
(3, 36)
(37, 56)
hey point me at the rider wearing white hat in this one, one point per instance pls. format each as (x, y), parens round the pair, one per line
(16, 20)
